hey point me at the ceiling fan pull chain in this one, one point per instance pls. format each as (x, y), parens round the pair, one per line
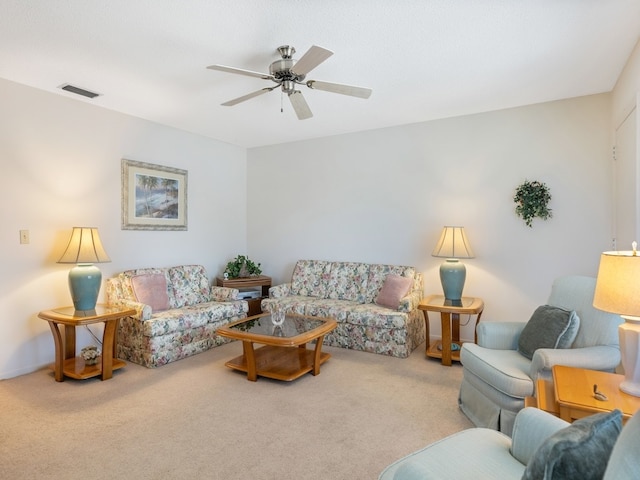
(281, 102)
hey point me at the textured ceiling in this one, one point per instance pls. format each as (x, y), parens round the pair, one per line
(424, 59)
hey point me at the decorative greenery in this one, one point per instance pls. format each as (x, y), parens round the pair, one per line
(241, 266)
(531, 200)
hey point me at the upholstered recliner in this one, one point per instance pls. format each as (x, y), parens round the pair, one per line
(481, 453)
(497, 377)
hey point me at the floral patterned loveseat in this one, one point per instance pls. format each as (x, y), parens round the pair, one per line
(350, 293)
(177, 313)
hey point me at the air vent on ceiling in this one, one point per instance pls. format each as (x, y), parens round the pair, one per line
(79, 91)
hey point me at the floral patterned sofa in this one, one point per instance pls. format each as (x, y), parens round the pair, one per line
(351, 292)
(178, 313)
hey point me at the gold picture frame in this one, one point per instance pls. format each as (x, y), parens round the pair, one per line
(154, 197)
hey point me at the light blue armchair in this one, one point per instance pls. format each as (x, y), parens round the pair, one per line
(482, 453)
(497, 378)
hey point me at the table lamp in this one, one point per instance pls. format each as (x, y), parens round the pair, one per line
(618, 291)
(453, 245)
(84, 249)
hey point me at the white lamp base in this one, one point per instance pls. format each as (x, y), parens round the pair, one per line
(629, 333)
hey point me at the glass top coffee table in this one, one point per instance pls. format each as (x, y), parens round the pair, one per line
(284, 354)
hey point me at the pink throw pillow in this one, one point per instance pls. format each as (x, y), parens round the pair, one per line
(393, 290)
(151, 290)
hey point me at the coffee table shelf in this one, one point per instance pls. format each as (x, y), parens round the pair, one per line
(280, 363)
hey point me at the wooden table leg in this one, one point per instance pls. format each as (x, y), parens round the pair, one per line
(475, 329)
(250, 358)
(59, 355)
(455, 327)
(445, 319)
(316, 355)
(108, 344)
(426, 327)
(69, 342)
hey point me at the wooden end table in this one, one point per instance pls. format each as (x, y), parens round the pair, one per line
(245, 283)
(573, 393)
(66, 362)
(450, 320)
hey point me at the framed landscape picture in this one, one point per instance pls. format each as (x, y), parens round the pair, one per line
(153, 197)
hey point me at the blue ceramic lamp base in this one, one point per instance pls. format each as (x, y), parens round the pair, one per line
(84, 284)
(452, 276)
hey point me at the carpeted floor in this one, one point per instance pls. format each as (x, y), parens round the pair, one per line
(198, 419)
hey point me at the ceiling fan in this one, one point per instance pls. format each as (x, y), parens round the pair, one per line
(287, 73)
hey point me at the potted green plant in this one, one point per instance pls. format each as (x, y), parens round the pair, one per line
(532, 200)
(242, 266)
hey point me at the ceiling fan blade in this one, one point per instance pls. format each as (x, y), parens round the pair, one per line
(300, 105)
(360, 92)
(248, 96)
(311, 59)
(240, 71)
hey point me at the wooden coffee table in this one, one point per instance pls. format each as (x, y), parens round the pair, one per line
(285, 355)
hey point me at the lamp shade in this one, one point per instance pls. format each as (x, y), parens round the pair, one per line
(84, 246)
(453, 243)
(618, 291)
(618, 284)
(84, 249)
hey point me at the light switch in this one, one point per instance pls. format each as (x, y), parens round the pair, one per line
(24, 236)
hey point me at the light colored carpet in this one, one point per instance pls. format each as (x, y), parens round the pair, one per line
(198, 419)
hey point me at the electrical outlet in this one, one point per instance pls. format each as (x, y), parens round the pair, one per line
(24, 236)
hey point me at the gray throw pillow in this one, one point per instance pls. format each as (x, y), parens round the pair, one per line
(579, 451)
(548, 327)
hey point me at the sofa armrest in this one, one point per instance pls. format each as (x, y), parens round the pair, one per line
(410, 302)
(143, 311)
(223, 294)
(600, 357)
(499, 335)
(279, 291)
(532, 427)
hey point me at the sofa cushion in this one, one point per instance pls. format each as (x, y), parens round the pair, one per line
(581, 450)
(548, 327)
(126, 287)
(190, 285)
(310, 278)
(393, 290)
(151, 289)
(377, 275)
(347, 281)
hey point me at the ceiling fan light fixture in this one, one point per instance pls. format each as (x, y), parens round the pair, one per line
(287, 73)
(288, 86)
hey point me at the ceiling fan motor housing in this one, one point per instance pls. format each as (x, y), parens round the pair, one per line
(281, 70)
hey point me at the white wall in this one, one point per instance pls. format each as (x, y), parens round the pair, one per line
(61, 168)
(625, 93)
(383, 196)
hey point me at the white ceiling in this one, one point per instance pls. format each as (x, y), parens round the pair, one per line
(424, 59)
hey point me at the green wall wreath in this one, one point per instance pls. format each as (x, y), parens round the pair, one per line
(532, 200)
